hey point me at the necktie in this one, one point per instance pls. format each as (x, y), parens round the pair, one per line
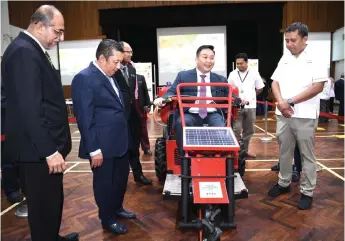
(202, 111)
(50, 61)
(125, 74)
(136, 89)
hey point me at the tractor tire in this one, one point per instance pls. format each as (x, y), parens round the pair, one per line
(160, 159)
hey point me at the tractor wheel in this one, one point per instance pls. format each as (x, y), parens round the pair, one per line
(160, 159)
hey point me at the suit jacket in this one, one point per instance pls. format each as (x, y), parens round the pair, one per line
(127, 91)
(100, 114)
(36, 112)
(190, 76)
(143, 94)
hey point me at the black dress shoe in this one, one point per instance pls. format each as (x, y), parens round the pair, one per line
(115, 228)
(142, 179)
(14, 197)
(70, 237)
(305, 202)
(147, 153)
(278, 190)
(126, 215)
(276, 167)
(295, 176)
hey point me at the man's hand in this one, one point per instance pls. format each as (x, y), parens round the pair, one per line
(283, 105)
(56, 164)
(287, 113)
(97, 160)
(158, 102)
(244, 102)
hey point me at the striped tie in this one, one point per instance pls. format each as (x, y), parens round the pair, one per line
(202, 111)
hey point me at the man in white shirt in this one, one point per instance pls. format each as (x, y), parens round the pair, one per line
(297, 81)
(250, 84)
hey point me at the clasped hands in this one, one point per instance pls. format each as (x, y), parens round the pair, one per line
(285, 109)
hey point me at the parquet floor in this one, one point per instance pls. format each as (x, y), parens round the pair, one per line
(258, 218)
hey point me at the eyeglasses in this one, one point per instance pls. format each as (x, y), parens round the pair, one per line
(130, 52)
(59, 33)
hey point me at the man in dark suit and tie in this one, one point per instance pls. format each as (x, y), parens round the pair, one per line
(126, 79)
(37, 129)
(205, 58)
(143, 108)
(99, 109)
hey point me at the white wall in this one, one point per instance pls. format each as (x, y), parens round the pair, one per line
(5, 26)
(339, 69)
(338, 45)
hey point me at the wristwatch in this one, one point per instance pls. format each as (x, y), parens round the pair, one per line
(289, 101)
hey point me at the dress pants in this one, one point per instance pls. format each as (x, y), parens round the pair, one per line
(245, 123)
(212, 119)
(44, 196)
(109, 186)
(324, 107)
(134, 124)
(9, 173)
(302, 131)
(144, 135)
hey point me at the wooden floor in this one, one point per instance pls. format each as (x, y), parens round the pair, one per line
(258, 218)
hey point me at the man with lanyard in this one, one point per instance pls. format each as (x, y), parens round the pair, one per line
(250, 84)
(297, 81)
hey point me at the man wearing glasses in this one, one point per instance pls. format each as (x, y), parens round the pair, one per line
(37, 129)
(126, 78)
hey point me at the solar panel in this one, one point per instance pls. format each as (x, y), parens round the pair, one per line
(209, 137)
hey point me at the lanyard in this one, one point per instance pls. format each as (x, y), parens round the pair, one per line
(238, 72)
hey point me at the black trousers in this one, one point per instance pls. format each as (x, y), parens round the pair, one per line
(134, 124)
(44, 195)
(109, 186)
(324, 107)
(9, 173)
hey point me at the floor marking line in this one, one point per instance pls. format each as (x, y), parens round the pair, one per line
(330, 171)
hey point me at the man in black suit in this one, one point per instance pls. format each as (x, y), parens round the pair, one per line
(99, 109)
(37, 129)
(143, 107)
(126, 79)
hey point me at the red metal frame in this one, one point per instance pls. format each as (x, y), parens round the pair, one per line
(184, 105)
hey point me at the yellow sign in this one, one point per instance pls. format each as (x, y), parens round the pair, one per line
(340, 136)
(320, 129)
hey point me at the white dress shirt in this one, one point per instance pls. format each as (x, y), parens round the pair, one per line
(195, 110)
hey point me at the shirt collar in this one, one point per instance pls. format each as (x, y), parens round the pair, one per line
(95, 64)
(242, 72)
(199, 73)
(27, 33)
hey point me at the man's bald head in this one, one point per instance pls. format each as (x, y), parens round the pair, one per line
(44, 14)
(47, 26)
(127, 58)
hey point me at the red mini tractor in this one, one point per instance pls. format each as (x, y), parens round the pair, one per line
(206, 180)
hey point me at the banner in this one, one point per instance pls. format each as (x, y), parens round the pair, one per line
(253, 64)
(145, 69)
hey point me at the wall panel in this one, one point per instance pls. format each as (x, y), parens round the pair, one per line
(319, 16)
